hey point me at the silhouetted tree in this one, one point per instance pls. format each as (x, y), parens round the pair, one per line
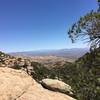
(88, 28)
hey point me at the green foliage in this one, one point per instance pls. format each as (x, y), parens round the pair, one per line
(88, 68)
(87, 79)
(87, 28)
(65, 73)
(17, 66)
(83, 75)
(39, 71)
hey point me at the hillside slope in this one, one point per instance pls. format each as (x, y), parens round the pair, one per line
(25, 88)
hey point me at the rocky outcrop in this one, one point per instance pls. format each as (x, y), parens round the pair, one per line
(15, 62)
(17, 85)
(57, 85)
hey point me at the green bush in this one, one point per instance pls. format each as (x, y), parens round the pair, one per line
(17, 66)
(39, 71)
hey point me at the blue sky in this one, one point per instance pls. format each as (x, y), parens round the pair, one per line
(27, 25)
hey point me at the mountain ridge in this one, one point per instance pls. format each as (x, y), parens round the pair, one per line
(70, 53)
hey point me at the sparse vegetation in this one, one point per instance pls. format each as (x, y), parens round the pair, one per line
(39, 72)
(17, 66)
(83, 75)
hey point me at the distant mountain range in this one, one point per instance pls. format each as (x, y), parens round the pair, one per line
(73, 53)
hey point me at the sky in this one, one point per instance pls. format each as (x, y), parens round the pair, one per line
(27, 25)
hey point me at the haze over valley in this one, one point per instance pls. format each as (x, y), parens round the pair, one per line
(68, 54)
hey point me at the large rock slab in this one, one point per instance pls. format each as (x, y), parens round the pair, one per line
(57, 85)
(17, 85)
(13, 83)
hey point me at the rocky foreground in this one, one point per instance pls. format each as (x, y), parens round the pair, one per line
(17, 85)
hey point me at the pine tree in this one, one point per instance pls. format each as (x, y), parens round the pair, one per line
(87, 28)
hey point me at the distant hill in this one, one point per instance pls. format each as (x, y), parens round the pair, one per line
(73, 53)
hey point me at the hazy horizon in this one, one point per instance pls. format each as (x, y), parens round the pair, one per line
(46, 50)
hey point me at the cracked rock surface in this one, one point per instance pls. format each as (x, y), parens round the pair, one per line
(17, 85)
